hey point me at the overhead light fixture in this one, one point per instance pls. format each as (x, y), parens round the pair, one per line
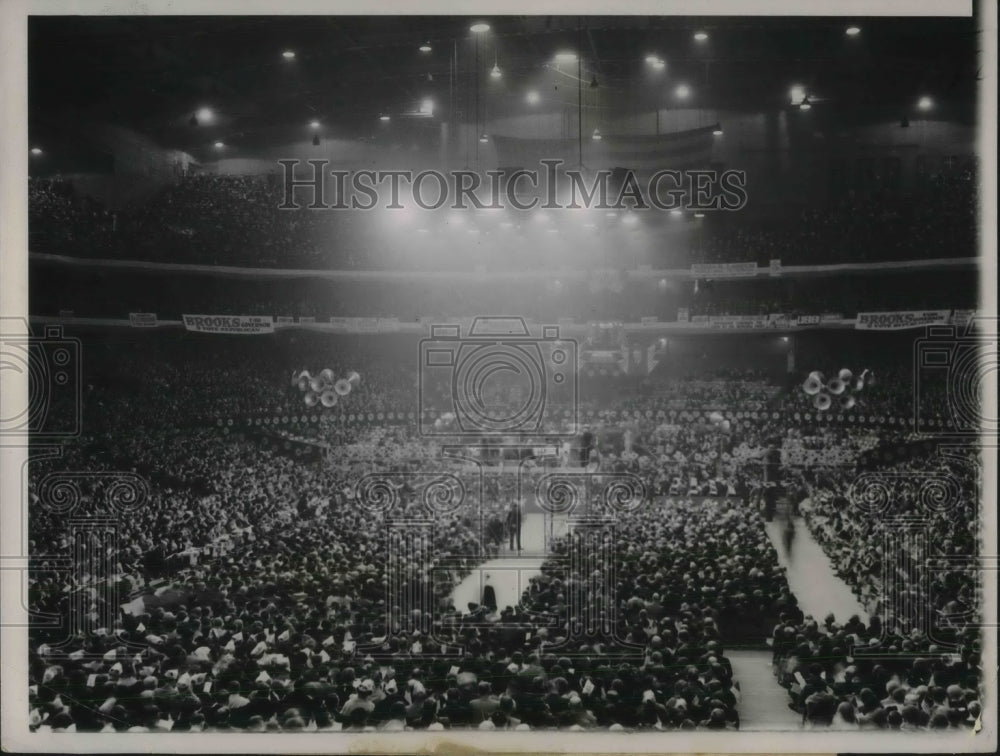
(683, 91)
(532, 97)
(495, 72)
(480, 27)
(593, 82)
(315, 140)
(383, 117)
(219, 145)
(717, 129)
(652, 59)
(314, 124)
(566, 56)
(288, 55)
(676, 212)
(426, 47)
(659, 65)
(925, 103)
(853, 31)
(427, 106)
(36, 151)
(597, 135)
(699, 215)
(797, 94)
(483, 137)
(700, 36)
(205, 115)
(805, 104)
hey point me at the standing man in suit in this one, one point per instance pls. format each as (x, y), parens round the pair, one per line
(514, 525)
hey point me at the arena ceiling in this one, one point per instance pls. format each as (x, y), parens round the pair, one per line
(152, 74)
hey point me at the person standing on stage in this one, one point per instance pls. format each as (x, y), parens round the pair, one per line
(514, 525)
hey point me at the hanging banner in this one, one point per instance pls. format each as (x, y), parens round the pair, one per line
(142, 319)
(774, 268)
(962, 317)
(898, 321)
(683, 315)
(808, 320)
(235, 324)
(284, 320)
(831, 317)
(307, 319)
(724, 270)
(738, 321)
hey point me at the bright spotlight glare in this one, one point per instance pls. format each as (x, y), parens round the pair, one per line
(925, 103)
(797, 94)
(36, 150)
(676, 212)
(683, 91)
(288, 55)
(566, 57)
(383, 117)
(219, 145)
(701, 36)
(533, 97)
(425, 47)
(659, 65)
(427, 106)
(314, 124)
(495, 72)
(205, 115)
(853, 31)
(480, 27)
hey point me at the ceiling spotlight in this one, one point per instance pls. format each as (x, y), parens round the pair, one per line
(426, 47)
(315, 140)
(659, 65)
(495, 72)
(479, 28)
(683, 91)
(676, 212)
(288, 55)
(427, 107)
(532, 97)
(314, 124)
(700, 36)
(699, 215)
(566, 57)
(593, 83)
(205, 115)
(853, 31)
(383, 117)
(805, 104)
(797, 94)
(652, 59)
(483, 137)
(219, 145)
(717, 129)
(36, 151)
(597, 135)
(925, 103)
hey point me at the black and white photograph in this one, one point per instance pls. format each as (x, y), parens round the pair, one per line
(519, 378)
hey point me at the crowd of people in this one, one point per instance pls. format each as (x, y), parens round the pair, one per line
(237, 220)
(258, 593)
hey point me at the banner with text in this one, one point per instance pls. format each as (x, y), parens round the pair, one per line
(738, 321)
(898, 321)
(724, 270)
(142, 319)
(235, 324)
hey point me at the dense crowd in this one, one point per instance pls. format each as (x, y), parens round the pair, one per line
(260, 596)
(236, 220)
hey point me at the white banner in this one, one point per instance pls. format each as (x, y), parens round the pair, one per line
(724, 270)
(831, 317)
(142, 319)
(898, 321)
(807, 320)
(962, 317)
(738, 321)
(774, 268)
(307, 319)
(284, 319)
(236, 324)
(648, 320)
(683, 315)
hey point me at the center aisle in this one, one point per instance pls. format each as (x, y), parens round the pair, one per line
(811, 576)
(763, 703)
(509, 575)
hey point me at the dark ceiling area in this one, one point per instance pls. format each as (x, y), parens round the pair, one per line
(151, 74)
